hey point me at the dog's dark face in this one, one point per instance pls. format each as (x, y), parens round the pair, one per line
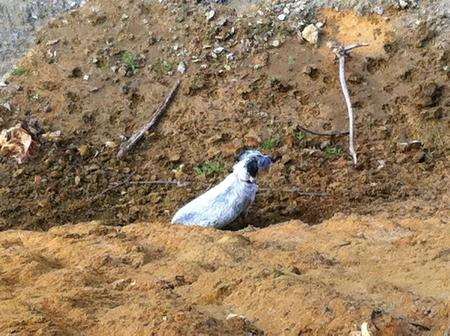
(255, 161)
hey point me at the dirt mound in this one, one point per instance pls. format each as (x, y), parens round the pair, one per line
(99, 72)
(288, 279)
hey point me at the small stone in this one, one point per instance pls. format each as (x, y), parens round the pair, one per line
(420, 157)
(84, 150)
(124, 17)
(281, 17)
(77, 180)
(52, 42)
(218, 50)
(52, 136)
(311, 34)
(110, 144)
(231, 57)
(210, 15)
(181, 67)
(320, 25)
(403, 4)
(409, 145)
(276, 43)
(86, 77)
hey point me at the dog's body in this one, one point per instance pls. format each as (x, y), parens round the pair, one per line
(232, 197)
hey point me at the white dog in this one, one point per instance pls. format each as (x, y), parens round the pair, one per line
(232, 197)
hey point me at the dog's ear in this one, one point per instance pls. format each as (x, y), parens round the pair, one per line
(252, 167)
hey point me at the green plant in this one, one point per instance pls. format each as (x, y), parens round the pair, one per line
(209, 168)
(270, 143)
(130, 60)
(19, 71)
(299, 135)
(332, 152)
(162, 67)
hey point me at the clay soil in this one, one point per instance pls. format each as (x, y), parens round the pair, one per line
(366, 243)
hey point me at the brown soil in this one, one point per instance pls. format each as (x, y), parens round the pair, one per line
(398, 87)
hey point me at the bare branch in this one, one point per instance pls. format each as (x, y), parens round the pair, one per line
(179, 184)
(126, 146)
(332, 133)
(298, 192)
(342, 53)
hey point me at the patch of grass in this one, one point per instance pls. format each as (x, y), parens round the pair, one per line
(209, 168)
(162, 67)
(130, 60)
(271, 143)
(332, 152)
(299, 135)
(19, 71)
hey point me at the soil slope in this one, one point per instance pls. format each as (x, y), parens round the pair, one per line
(287, 279)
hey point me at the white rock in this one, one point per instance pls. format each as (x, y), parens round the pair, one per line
(281, 17)
(403, 4)
(210, 15)
(311, 34)
(275, 43)
(231, 57)
(181, 67)
(218, 50)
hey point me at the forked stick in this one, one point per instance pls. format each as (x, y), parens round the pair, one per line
(342, 53)
(127, 145)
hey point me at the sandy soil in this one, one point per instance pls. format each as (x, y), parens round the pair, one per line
(287, 279)
(365, 243)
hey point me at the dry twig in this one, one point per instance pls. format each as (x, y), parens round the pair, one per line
(332, 133)
(342, 52)
(126, 146)
(298, 192)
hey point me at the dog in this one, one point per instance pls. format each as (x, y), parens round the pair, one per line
(225, 202)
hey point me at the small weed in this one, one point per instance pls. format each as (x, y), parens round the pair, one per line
(332, 152)
(270, 143)
(291, 63)
(130, 60)
(209, 168)
(19, 71)
(299, 135)
(162, 67)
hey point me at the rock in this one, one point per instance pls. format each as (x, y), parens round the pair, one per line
(410, 145)
(181, 67)
(420, 157)
(218, 50)
(403, 4)
(84, 150)
(52, 136)
(110, 144)
(210, 15)
(311, 34)
(275, 43)
(281, 17)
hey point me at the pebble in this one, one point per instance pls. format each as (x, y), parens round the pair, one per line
(281, 17)
(181, 67)
(403, 4)
(218, 50)
(210, 15)
(311, 34)
(276, 43)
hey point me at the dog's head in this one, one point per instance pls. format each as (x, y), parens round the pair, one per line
(250, 163)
